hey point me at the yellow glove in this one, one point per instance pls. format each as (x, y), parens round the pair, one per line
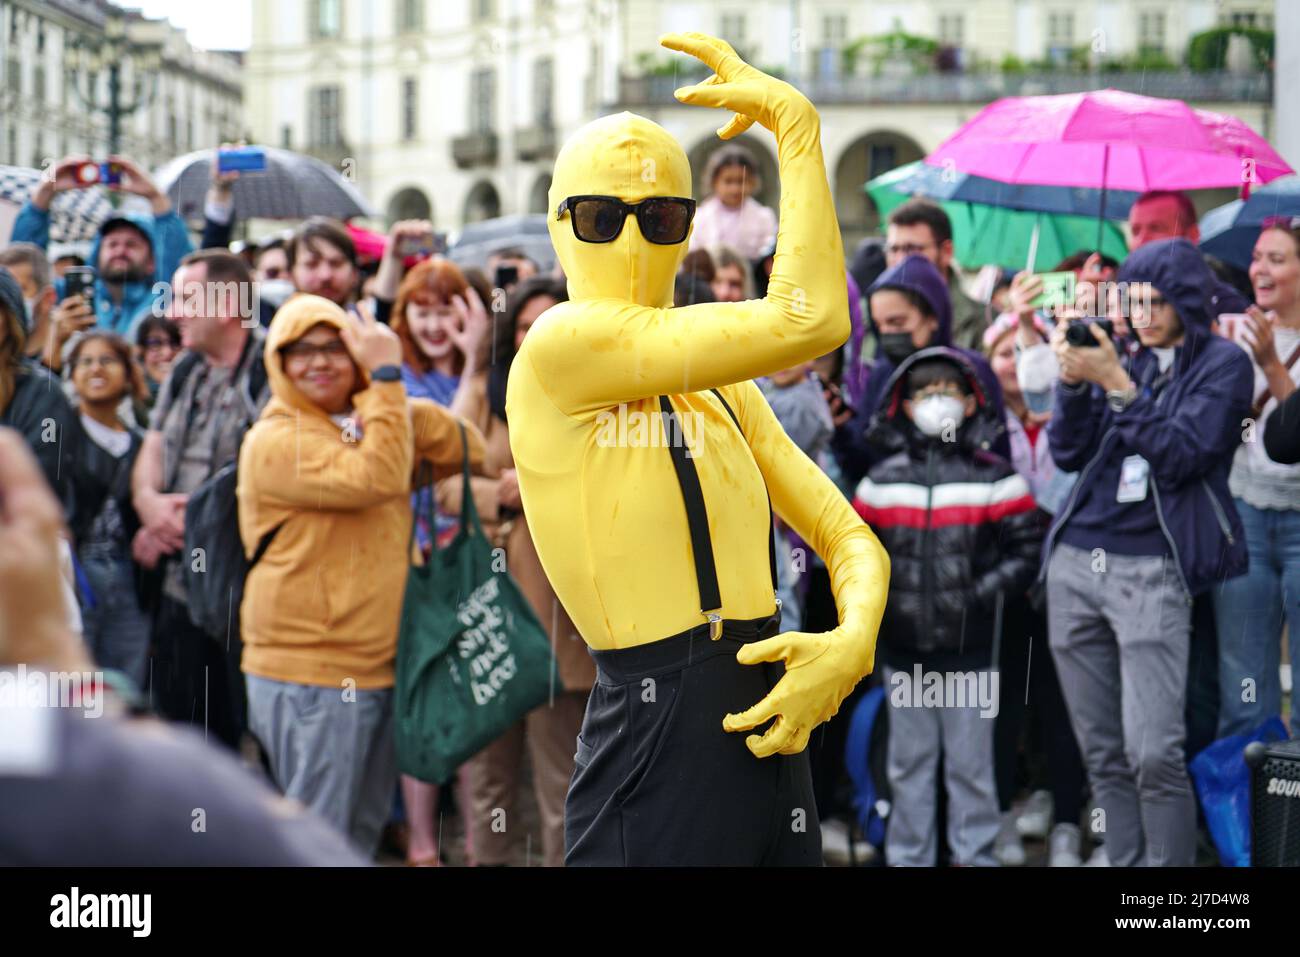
(820, 671)
(737, 86)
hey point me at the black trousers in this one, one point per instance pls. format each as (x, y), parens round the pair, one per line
(656, 779)
(195, 679)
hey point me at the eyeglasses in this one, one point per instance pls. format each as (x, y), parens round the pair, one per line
(663, 220)
(949, 390)
(152, 345)
(907, 249)
(305, 352)
(89, 362)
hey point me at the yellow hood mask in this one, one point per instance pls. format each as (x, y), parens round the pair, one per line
(292, 321)
(630, 157)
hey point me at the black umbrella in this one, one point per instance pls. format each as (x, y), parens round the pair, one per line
(525, 232)
(292, 186)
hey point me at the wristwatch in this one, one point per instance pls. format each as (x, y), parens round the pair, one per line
(388, 373)
(1121, 399)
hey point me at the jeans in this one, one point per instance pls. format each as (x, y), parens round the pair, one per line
(1250, 610)
(115, 629)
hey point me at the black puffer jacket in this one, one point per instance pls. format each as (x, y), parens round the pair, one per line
(960, 526)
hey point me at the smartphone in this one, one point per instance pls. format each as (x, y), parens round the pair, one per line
(506, 276)
(1058, 291)
(422, 247)
(835, 391)
(110, 174)
(242, 159)
(87, 174)
(79, 281)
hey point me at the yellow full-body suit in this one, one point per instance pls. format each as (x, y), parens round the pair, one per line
(598, 486)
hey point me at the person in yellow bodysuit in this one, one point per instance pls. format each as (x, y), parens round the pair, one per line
(654, 529)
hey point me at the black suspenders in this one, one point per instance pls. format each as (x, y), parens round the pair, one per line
(697, 517)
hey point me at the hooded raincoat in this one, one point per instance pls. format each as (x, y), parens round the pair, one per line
(1186, 425)
(168, 239)
(324, 602)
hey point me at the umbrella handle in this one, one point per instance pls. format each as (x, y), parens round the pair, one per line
(1033, 243)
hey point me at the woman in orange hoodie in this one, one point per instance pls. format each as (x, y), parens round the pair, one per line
(325, 477)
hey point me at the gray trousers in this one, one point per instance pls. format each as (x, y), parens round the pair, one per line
(1120, 640)
(334, 755)
(917, 735)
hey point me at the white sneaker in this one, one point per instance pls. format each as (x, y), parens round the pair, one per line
(835, 845)
(1099, 858)
(1063, 846)
(1007, 847)
(1035, 818)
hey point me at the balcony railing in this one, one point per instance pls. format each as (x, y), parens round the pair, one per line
(535, 142)
(986, 87)
(476, 149)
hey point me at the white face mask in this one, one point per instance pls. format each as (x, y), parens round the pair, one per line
(275, 291)
(936, 413)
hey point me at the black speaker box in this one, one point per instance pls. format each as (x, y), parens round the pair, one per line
(1274, 803)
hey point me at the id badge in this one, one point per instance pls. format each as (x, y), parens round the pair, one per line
(1134, 474)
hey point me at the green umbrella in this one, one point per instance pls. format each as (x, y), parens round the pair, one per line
(984, 234)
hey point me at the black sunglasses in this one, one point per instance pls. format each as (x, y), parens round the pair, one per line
(663, 220)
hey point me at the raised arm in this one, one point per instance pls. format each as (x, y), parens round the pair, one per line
(593, 353)
(289, 465)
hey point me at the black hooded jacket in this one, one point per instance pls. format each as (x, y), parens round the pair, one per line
(41, 412)
(960, 525)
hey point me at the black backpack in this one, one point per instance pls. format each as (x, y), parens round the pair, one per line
(214, 562)
(216, 569)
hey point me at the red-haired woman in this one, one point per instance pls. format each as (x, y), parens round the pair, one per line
(444, 327)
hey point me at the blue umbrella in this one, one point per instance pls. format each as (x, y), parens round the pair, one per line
(1229, 232)
(943, 184)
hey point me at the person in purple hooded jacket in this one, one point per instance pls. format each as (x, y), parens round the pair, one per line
(1148, 525)
(910, 311)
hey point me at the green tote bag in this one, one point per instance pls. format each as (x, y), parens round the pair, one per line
(472, 658)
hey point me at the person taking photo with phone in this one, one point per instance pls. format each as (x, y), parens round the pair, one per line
(132, 252)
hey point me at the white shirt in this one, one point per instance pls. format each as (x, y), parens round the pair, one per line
(116, 443)
(1255, 478)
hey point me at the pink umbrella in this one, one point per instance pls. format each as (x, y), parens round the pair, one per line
(1107, 139)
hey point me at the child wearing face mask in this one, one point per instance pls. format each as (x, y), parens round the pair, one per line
(963, 535)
